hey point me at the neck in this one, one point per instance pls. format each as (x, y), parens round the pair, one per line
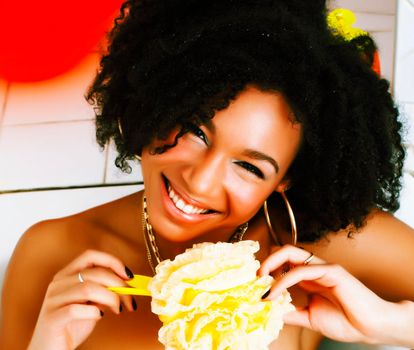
(169, 249)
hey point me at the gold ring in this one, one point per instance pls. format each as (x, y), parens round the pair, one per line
(308, 259)
(80, 278)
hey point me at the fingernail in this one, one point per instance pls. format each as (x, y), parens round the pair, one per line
(266, 294)
(129, 272)
(134, 304)
(120, 307)
(101, 312)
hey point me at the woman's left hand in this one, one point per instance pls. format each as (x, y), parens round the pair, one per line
(339, 305)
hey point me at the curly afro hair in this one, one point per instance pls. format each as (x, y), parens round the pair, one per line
(366, 47)
(173, 61)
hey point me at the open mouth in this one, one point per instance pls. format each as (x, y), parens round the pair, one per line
(181, 204)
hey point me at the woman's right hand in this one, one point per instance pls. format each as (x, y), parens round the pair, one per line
(339, 305)
(75, 299)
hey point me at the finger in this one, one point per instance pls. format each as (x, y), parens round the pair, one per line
(98, 275)
(320, 274)
(286, 254)
(107, 278)
(312, 287)
(298, 317)
(82, 293)
(324, 317)
(77, 312)
(329, 319)
(92, 258)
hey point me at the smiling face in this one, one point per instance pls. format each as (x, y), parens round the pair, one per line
(218, 175)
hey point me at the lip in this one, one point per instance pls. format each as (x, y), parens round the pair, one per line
(177, 214)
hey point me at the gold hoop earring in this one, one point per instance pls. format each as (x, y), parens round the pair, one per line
(120, 128)
(294, 233)
(269, 224)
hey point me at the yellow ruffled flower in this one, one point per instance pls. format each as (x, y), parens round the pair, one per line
(209, 298)
(341, 21)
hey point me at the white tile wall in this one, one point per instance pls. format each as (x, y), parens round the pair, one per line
(369, 6)
(409, 163)
(19, 211)
(385, 43)
(115, 175)
(45, 155)
(374, 22)
(58, 99)
(406, 211)
(404, 71)
(378, 18)
(404, 93)
(407, 110)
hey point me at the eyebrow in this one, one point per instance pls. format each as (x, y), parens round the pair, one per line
(210, 126)
(251, 153)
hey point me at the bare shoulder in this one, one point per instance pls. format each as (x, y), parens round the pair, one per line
(48, 245)
(43, 250)
(380, 254)
(386, 225)
(51, 242)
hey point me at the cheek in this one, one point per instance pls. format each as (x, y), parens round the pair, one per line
(181, 152)
(246, 198)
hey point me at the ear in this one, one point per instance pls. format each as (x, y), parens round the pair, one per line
(283, 185)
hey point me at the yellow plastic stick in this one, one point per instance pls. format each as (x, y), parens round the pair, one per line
(137, 286)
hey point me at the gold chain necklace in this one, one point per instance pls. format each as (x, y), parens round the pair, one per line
(151, 245)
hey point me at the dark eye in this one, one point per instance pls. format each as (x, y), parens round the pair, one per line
(195, 130)
(251, 168)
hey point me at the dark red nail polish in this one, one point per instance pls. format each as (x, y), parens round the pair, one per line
(266, 294)
(129, 272)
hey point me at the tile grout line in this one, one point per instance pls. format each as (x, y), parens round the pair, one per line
(380, 31)
(106, 164)
(370, 13)
(59, 188)
(50, 122)
(367, 12)
(394, 53)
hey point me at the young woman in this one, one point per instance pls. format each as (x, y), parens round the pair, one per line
(225, 103)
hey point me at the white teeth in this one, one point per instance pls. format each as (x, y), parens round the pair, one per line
(189, 209)
(180, 204)
(171, 192)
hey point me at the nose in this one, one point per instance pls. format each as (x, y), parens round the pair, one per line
(206, 176)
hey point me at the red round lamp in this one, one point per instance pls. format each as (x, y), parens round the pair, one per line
(43, 39)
